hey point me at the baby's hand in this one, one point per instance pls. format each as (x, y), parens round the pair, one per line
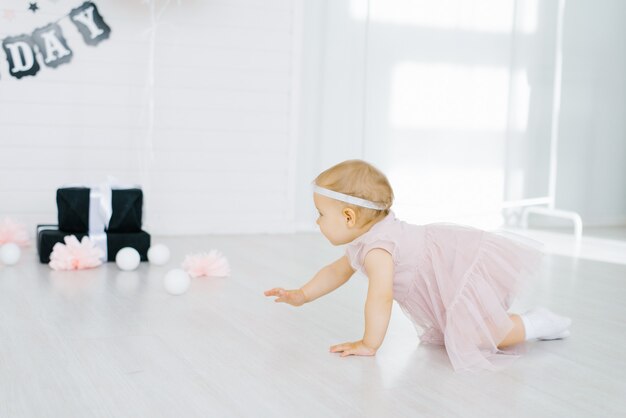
(292, 297)
(356, 348)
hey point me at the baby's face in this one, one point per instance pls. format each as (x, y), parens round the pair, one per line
(331, 220)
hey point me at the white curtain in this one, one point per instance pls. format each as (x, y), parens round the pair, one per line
(451, 98)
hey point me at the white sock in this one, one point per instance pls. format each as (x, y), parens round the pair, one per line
(541, 323)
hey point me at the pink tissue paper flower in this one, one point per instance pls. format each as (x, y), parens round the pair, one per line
(75, 255)
(213, 264)
(12, 231)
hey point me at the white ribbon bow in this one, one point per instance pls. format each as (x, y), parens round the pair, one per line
(101, 210)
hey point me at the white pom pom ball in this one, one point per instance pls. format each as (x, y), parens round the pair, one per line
(176, 281)
(158, 255)
(127, 259)
(10, 254)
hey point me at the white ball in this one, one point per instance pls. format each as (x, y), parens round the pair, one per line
(10, 254)
(158, 255)
(176, 281)
(127, 259)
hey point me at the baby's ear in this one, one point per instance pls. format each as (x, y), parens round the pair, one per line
(350, 216)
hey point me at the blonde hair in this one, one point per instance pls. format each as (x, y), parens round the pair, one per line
(360, 179)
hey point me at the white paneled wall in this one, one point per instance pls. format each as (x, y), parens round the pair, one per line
(214, 155)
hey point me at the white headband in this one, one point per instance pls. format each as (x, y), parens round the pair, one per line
(348, 199)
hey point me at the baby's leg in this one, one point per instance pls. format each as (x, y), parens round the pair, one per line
(516, 335)
(538, 323)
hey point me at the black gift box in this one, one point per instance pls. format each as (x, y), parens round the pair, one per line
(73, 208)
(48, 235)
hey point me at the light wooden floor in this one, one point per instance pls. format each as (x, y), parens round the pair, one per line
(106, 343)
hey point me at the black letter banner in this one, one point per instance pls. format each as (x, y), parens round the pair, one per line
(52, 45)
(90, 24)
(21, 55)
(47, 45)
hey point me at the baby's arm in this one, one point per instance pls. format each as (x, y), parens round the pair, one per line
(379, 268)
(325, 281)
(328, 279)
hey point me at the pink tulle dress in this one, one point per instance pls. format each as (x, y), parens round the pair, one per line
(455, 283)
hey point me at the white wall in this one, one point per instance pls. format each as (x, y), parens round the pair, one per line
(219, 155)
